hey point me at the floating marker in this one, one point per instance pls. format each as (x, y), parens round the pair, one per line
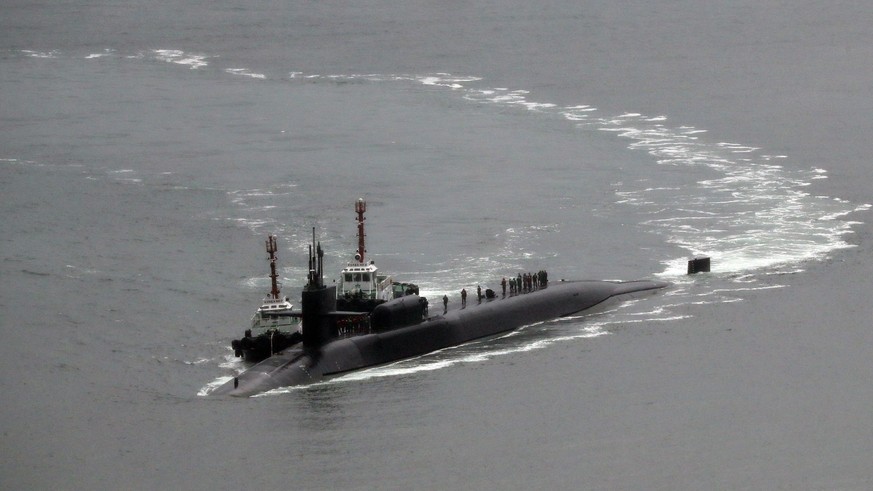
(698, 265)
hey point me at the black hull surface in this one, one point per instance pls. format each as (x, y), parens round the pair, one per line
(301, 365)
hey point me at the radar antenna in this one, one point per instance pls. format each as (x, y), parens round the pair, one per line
(271, 249)
(360, 208)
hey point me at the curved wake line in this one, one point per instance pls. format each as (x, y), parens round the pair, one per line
(757, 215)
(753, 215)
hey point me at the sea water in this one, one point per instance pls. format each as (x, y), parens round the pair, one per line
(148, 149)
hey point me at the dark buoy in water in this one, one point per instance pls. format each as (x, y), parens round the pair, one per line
(698, 265)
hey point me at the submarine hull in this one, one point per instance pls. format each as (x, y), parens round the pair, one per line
(304, 365)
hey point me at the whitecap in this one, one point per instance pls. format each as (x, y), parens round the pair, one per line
(179, 57)
(245, 72)
(106, 52)
(41, 54)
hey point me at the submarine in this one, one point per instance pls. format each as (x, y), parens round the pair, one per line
(336, 342)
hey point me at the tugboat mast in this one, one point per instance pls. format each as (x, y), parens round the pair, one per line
(360, 208)
(271, 249)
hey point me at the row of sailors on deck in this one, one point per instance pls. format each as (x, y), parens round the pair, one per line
(526, 282)
(523, 283)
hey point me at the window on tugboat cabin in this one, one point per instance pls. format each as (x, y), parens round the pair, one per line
(365, 277)
(348, 277)
(357, 277)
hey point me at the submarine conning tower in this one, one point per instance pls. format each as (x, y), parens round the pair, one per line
(317, 300)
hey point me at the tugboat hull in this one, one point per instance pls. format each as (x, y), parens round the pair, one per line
(256, 348)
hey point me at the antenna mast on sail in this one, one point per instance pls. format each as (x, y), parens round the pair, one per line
(360, 208)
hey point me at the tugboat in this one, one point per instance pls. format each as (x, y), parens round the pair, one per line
(361, 288)
(275, 326)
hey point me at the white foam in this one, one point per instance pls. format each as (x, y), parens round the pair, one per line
(196, 362)
(179, 57)
(481, 352)
(754, 217)
(578, 113)
(245, 72)
(106, 52)
(41, 54)
(208, 388)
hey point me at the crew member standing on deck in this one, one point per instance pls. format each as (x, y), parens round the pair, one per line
(479, 293)
(463, 297)
(503, 285)
(445, 304)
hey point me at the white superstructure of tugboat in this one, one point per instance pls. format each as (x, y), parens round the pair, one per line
(274, 313)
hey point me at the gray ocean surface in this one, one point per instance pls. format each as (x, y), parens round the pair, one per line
(147, 148)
